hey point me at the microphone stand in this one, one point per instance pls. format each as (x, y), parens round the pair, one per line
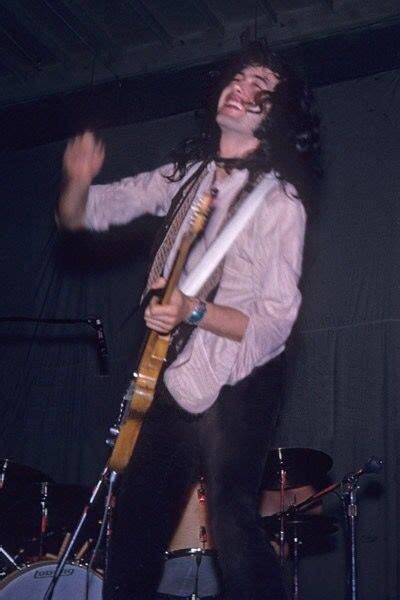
(349, 485)
(106, 474)
(44, 488)
(282, 520)
(91, 320)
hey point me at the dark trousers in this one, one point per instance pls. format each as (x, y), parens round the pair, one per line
(230, 441)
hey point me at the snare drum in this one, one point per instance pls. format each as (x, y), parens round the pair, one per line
(32, 583)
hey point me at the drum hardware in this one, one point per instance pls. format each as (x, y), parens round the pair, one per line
(292, 468)
(14, 479)
(106, 475)
(201, 491)
(9, 558)
(190, 567)
(349, 485)
(14, 475)
(3, 472)
(194, 596)
(45, 513)
(303, 531)
(36, 519)
(110, 504)
(32, 581)
(302, 466)
(282, 481)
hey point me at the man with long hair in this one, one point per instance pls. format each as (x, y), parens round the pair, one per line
(217, 400)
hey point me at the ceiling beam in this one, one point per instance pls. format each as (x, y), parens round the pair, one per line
(32, 60)
(152, 22)
(204, 8)
(37, 28)
(72, 23)
(324, 61)
(26, 45)
(270, 10)
(88, 15)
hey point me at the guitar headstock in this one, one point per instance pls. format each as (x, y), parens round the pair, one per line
(200, 212)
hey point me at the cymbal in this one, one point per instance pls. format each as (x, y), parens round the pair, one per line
(15, 474)
(21, 512)
(302, 466)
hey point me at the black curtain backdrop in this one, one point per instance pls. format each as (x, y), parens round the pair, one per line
(342, 381)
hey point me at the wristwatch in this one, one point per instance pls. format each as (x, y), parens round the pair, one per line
(197, 313)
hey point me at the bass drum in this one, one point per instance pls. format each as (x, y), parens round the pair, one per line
(32, 583)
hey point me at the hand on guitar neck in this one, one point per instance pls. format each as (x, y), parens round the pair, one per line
(221, 320)
(163, 318)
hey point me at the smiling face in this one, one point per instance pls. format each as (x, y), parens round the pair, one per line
(239, 112)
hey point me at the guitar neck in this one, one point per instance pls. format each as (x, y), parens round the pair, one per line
(178, 266)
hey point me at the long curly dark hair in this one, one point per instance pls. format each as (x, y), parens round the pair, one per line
(289, 135)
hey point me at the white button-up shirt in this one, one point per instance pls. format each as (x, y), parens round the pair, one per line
(260, 274)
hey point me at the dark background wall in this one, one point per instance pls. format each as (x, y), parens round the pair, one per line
(343, 375)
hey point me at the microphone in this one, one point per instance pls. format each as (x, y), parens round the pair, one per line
(101, 344)
(373, 465)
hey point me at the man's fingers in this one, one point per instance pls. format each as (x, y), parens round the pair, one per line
(84, 155)
(164, 325)
(162, 309)
(159, 283)
(155, 309)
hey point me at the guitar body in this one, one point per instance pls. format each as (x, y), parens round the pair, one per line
(143, 385)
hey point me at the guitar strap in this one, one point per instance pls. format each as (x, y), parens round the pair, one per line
(209, 288)
(180, 204)
(182, 333)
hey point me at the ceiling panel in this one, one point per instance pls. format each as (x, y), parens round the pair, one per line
(53, 46)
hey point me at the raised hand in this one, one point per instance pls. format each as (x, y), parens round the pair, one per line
(83, 158)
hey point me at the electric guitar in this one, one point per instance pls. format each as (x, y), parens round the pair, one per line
(140, 393)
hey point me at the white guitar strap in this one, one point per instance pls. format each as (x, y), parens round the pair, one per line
(217, 250)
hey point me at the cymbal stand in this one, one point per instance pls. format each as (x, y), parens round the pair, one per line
(296, 543)
(203, 537)
(3, 473)
(350, 487)
(106, 473)
(9, 558)
(110, 507)
(282, 536)
(194, 595)
(44, 487)
(3, 551)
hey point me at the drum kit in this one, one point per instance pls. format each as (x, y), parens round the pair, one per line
(291, 475)
(38, 517)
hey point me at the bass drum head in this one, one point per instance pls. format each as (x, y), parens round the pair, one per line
(32, 583)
